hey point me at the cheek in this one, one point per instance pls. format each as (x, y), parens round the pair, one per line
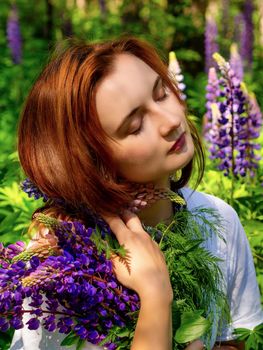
(135, 156)
(136, 153)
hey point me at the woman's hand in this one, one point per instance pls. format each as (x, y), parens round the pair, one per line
(146, 272)
(148, 276)
(195, 345)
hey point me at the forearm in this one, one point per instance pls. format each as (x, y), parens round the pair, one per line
(154, 326)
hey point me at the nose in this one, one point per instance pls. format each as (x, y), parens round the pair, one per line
(168, 121)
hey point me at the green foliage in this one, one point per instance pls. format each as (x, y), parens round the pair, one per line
(253, 338)
(193, 326)
(70, 339)
(15, 213)
(168, 26)
(15, 207)
(117, 331)
(194, 272)
(5, 339)
(247, 201)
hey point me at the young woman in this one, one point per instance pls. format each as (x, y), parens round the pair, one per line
(99, 119)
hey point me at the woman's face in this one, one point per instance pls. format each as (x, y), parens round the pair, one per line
(145, 119)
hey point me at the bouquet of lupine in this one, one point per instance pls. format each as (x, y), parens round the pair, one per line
(66, 278)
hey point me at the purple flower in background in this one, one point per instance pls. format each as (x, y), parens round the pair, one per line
(256, 115)
(176, 73)
(225, 17)
(236, 62)
(247, 37)
(235, 122)
(14, 36)
(238, 28)
(211, 97)
(211, 45)
(103, 7)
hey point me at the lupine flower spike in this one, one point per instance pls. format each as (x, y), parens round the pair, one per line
(230, 136)
(211, 96)
(211, 45)
(176, 73)
(247, 37)
(146, 195)
(32, 190)
(14, 36)
(236, 61)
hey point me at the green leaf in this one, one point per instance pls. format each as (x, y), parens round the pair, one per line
(193, 326)
(80, 344)
(253, 338)
(70, 339)
(259, 329)
(123, 333)
(243, 333)
(124, 345)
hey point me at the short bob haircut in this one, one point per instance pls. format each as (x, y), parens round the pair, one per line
(62, 146)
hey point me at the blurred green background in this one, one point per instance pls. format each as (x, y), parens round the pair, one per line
(29, 31)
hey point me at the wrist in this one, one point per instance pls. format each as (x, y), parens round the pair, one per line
(156, 298)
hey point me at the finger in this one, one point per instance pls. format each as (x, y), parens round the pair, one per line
(196, 345)
(224, 347)
(132, 221)
(117, 226)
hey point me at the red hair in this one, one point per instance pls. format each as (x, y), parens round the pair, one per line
(62, 146)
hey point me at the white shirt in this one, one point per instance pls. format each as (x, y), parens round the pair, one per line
(237, 268)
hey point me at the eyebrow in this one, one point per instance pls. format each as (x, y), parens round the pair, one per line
(133, 112)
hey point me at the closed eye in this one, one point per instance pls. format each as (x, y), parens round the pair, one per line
(139, 129)
(162, 93)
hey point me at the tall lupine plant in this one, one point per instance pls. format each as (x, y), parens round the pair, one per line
(234, 123)
(247, 37)
(225, 16)
(236, 62)
(211, 96)
(211, 45)
(176, 73)
(14, 36)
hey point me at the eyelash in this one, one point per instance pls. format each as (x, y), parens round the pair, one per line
(162, 98)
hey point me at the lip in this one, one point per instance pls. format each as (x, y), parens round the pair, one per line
(179, 143)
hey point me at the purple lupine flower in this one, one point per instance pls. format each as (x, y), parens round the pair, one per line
(103, 8)
(211, 97)
(176, 73)
(211, 45)
(253, 130)
(231, 134)
(15, 249)
(238, 28)
(81, 278)
(247, 37)
(225, 16)
(33, 324)
(236, 62)
(256, 121)
(32, 190)
(14, 36)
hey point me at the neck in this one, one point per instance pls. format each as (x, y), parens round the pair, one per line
(160, 211)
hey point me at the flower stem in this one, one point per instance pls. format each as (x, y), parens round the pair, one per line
(166, 230)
